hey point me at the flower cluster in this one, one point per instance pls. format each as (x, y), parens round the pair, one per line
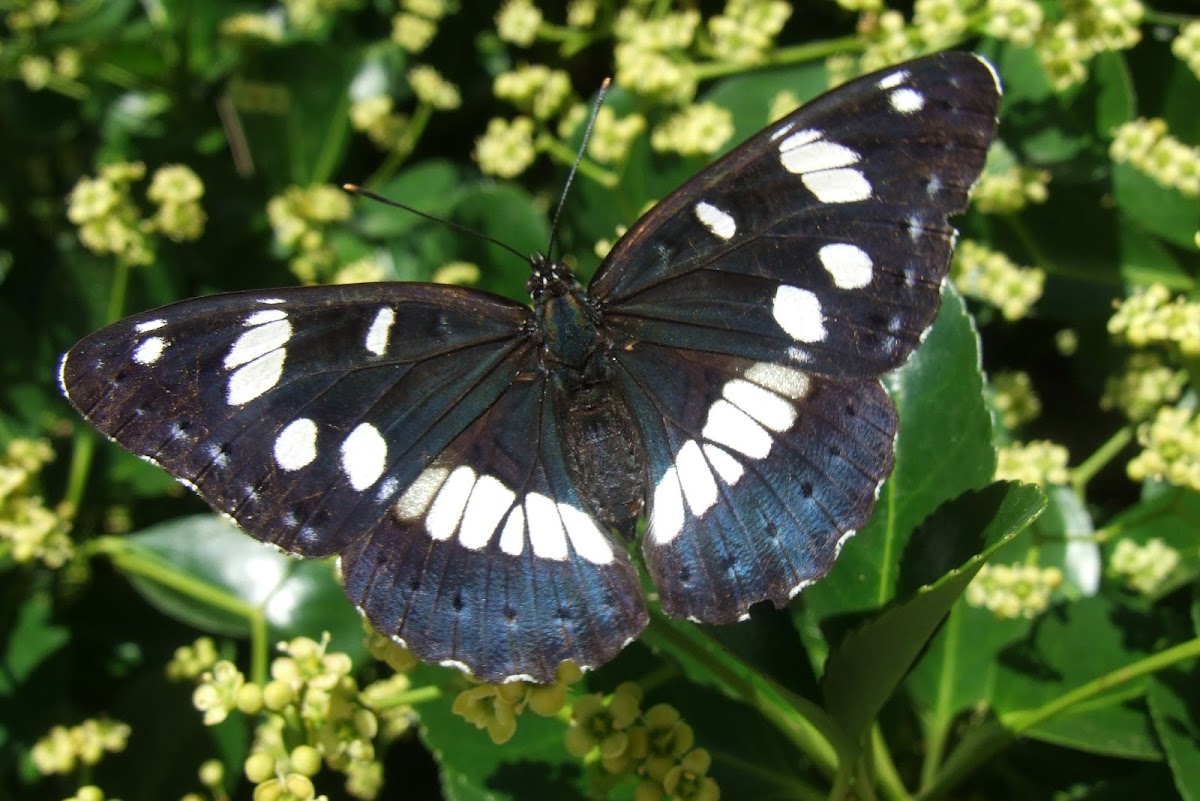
(1016, 21)
(744, 32)
(302, 218)
(28, 24)
(991, 276)
(432, 89)
(495, 707)
(658, 54)
(415, 25)
(1013, 591)
(698, 130)
(1006, 187)
(507, 149)
(249, 26)
(1145, 385)
(359, 271)
(190, 662)
(1013, 398)
(518, 22)
(1170, 449)
(62, 749)
(655, 745)
(940, 23)
(1148, 146)
(89, 792)
(110, 222)
(1186, 46)
(462, 273)
(534, 89)
(1036, 462)
(1143, 567)
(312, 716)
(1149, 317)
(376, 116)
(1085, 29)
(30, 531)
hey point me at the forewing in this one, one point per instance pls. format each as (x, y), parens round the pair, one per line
(300, 413)
(759, 472)
(822, 241)
(489, 560)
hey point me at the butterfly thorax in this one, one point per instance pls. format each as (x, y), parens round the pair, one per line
(598, 433)
(566, 319)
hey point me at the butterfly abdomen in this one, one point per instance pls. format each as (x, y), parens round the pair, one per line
(601, 445)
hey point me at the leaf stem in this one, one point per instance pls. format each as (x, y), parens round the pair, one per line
(802, 722)
(135, 561)
(989, 739)
(1087, 470)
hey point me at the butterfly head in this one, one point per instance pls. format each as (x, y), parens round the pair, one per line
(566, 319)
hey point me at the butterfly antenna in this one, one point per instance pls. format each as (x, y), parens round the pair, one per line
(355, 189)
(587, 134)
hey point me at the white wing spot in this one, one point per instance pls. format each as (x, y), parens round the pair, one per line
(848, 265)
(149, 325)
(364, 456)
(546, 535)
(450, 503)
(893, 80)
(838, 186)
(490, 499)
(381, 329)
(149, 350)
(416, 499)
(772, 411)
(265, 316)
(907, 101)
(798, 313)
(696, 479)
(783, 129)
(666, 514)
(806, 152)
(719, 223)
(512, 538)
(785, 381)
(258, 341)
(728, 425)
(296, 445)
(728, 468)
(586, 537)
(251, 380)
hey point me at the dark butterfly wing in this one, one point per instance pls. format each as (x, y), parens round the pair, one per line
(762, 300)
(491, 561)
(822, 241)
(762, 472)
(300, 413)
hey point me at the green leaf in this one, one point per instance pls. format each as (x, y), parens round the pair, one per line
(943, 449)
(204, 571)
(509, 214)
(1068, 646)
(1172, 516)
(1175, 711)
(867, 666)
(1162, 211)
(431, 187)
(31, 639)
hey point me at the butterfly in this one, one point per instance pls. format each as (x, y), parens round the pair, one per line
(480, 465)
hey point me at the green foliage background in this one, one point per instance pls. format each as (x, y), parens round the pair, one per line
(880, 681)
